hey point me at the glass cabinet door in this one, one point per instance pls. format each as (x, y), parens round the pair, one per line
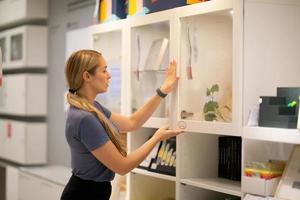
(16, 47)
(149, 60)
(109, 44)
(3, 48)
(206, 54)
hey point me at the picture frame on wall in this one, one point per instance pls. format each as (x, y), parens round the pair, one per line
(289, 185)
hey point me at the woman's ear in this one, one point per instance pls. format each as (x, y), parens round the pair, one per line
(86, 76)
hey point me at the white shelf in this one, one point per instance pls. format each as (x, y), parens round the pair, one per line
(272, 134)
(215, 184)
(153, 174)
(156, 122)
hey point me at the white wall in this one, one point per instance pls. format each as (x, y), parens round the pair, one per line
(60, 21)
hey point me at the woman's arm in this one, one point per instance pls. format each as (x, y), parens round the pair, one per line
(137, 119)
(112, 159)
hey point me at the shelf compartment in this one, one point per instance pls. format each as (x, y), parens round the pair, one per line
(153, 174)
(273, 61)
(149, 188)
(291, 136)
(195, 148)
(215, 184)
(205, 52)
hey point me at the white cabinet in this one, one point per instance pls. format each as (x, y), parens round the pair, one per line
(24, 143)
(16, 11)
(24, 94)
(43, 182)
(25, 47)
(34, 188)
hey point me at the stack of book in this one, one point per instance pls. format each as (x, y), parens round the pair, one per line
(230, 157)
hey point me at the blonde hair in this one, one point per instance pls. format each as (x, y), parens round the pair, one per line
(77, 64)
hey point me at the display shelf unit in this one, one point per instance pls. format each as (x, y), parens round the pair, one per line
(234, 44)
(271, 44)
(21, 50)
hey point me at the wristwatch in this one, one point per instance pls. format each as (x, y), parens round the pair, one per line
(160, 93)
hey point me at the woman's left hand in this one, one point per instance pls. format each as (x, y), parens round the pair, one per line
(171, 78)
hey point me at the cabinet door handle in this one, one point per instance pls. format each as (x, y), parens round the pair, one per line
(184, 114)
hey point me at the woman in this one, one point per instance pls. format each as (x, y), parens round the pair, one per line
(92, 131)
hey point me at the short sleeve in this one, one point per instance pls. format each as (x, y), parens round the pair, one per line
(91, 132)
(105, 111)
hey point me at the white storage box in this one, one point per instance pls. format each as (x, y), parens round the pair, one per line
(259, 186)
(24, 94)
(24, 143)
(14, 11)
(25, 46)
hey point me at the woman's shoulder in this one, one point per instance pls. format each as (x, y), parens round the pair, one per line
(76, 115)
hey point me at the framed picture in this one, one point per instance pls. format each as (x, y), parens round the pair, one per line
(289, 185)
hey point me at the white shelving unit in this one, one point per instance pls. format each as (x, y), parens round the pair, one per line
(271, 44)
(21, 49)
(247, 47)
(27, 10)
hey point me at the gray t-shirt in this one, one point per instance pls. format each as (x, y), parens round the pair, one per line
(85, 133)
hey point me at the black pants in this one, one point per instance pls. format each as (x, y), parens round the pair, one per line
(78, 189)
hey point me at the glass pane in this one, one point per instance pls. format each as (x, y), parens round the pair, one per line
(3, 48)
(16, 47)
(150, 57)
(110, 45)
(206, 67)
(2, 93)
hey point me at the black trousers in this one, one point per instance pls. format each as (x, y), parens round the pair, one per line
(79, 189)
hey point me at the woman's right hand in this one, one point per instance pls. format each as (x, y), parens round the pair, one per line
(164, 133)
